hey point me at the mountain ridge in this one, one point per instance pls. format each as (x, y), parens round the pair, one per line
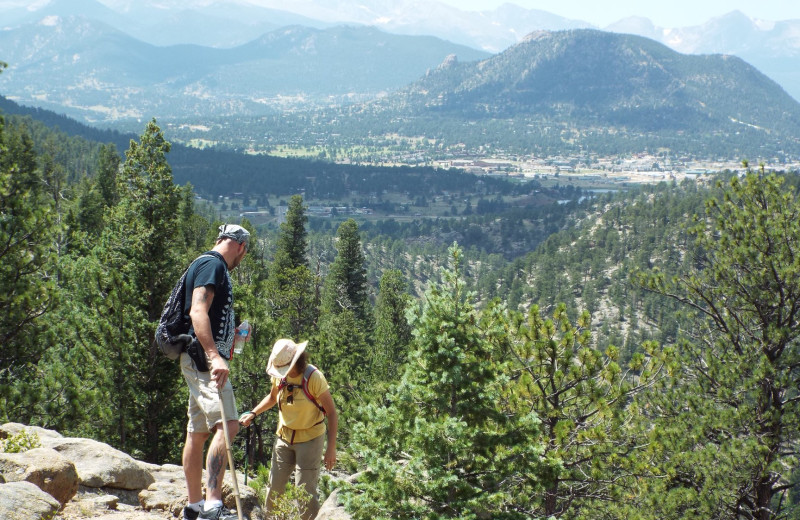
(772, 46)
(597, 85)
(582, 91)
(623, 71)
(99, 74)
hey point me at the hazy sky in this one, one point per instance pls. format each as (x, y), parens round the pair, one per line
(664, 13)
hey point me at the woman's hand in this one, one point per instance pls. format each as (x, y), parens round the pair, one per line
(333, 427)
(247, 418)
(330, 457)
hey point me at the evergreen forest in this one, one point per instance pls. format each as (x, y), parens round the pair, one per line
(635, 355)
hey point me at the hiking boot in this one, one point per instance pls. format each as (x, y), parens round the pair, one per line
(218, 513)
(190, 514)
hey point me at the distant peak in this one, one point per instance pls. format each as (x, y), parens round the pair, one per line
(735, 14)
(448, 62)
(537, 36)
(638, 21)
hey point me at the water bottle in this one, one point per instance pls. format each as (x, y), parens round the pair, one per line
(241, 337)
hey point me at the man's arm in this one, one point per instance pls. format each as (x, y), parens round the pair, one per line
(201, 304)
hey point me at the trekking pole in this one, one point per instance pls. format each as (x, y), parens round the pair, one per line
(230, 456)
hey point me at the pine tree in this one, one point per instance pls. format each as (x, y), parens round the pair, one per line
(443, 444)
(107, 171)
(143, 245)
(292, 294)
(582, 397)
(292, 246)
(346, 284)
(88, 217)
(728, 423)
(106, 337)
(346, 319)
(27, 265)
(392, 330)
(79, 388)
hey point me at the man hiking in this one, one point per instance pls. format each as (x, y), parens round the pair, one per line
(209, 304)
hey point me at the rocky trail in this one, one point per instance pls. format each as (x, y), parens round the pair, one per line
(75, 478)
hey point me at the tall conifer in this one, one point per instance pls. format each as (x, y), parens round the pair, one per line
(292, 246)
(346, 317)
(727, 424)
(291, 294)
(443, 443)
(142, 252)
(27, 263)
(392, 329)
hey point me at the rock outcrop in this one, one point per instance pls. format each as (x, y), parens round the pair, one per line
(100, 465)
(72, 478)
(25, 501)
(331, 509)
(43, 467)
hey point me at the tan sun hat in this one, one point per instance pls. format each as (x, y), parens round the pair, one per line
(284, 355)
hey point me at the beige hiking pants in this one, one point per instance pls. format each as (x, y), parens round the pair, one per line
(306, 459)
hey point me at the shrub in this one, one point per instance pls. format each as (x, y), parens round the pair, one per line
(23, 441)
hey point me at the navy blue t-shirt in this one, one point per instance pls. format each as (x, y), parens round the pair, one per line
(212, 270)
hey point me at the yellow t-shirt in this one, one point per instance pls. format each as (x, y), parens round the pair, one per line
(301, 420)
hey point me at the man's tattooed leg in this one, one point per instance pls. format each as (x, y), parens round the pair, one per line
(216, 465)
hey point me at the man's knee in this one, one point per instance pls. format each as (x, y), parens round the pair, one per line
(233, 429)
(195, 441)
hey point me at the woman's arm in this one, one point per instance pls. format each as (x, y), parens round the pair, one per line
(326, 401)
(265, 404)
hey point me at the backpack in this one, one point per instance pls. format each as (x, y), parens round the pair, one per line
(172, 332)
(304, 385)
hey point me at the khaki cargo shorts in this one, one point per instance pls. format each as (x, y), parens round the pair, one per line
(204, 411)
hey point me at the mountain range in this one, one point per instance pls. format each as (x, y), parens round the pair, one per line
(71, 56)
(771, 46)
(624, 80)
(574, 92)
(96, 73)
(229, 23)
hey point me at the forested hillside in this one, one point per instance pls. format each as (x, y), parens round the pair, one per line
(215, 173)
(583, 254)
(642, 362)
(589, 266)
